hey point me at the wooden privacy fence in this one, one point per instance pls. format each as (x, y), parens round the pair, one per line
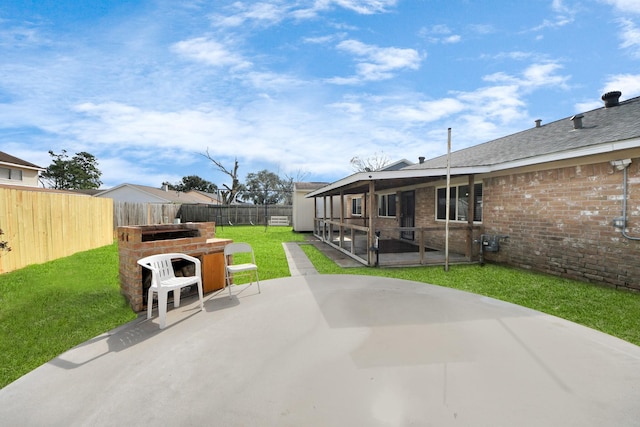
(129, 213)
(233, 214)
(41, 226)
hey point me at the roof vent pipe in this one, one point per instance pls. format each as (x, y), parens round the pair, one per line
(421, 159)
(538, 123)
(577, 121)
(611, 99)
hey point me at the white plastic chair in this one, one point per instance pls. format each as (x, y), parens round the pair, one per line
(164, 280)
(231, 269)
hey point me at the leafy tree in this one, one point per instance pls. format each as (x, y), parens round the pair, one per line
(193, 182)
(78, 173)
(263, 188)
(235, 190)
(372, 163)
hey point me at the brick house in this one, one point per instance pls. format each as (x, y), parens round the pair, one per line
(566, 193)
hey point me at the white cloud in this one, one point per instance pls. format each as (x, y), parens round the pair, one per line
(544, 74)
(319, 39)
(534, 76)
(628, 84)
(377, 63)
(362, 7)
(563, 15)
(625, 5)
(439, 33)
(451, 39)
(260, 13)
(12, 37)
(366, 7)
(558, 6)
(515, 55)
(427, 111)
(495, 103)
(354, 108)
(210, 52)
(630, 36)
(272, 81)
(482, 28)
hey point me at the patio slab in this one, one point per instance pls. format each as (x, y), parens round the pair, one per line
(319, 350)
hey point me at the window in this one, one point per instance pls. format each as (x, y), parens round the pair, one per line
(15, 174)
(459, 203)
(387, 205)
(356, 206)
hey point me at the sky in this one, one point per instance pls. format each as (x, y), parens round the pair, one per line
(297, 87)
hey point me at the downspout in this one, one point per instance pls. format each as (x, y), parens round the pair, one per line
(622, 222)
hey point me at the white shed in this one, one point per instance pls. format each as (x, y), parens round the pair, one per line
(303, 213)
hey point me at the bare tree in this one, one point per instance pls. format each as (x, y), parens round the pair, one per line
(286, 185)
(372, 163)
(229, 195)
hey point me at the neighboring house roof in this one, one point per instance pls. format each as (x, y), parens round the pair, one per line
(204, 196)
(9, 160)
(308, 186)
(603, 130)
(397, 165)
(40, 189)
(88, 192)
(152, 194)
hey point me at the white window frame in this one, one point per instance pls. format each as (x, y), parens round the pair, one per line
(356, 206)
(383, 205)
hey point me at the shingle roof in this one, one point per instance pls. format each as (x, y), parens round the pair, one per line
(600, 126)
(170, 196)
(309, 185)
(8, 158)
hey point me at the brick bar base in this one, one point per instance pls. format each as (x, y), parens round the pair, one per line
(131, 248)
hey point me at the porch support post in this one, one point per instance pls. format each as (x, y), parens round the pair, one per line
(315, 215)
(371, 214)
(331, 217)
(342, 211)
(471, 206)
(324, 219)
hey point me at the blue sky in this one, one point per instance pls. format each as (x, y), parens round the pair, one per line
(297, 87)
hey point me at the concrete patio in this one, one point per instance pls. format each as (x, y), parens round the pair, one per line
(333, 350)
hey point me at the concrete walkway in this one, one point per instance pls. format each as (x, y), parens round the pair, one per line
(299, 263)
(334, 350)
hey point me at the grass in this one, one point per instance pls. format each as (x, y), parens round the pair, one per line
(267, 246)
(49, 308)
(52, 307)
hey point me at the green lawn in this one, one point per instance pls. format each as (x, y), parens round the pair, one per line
(49, 308)
(267, 246)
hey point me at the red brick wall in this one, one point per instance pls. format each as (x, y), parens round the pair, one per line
(559, 221)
